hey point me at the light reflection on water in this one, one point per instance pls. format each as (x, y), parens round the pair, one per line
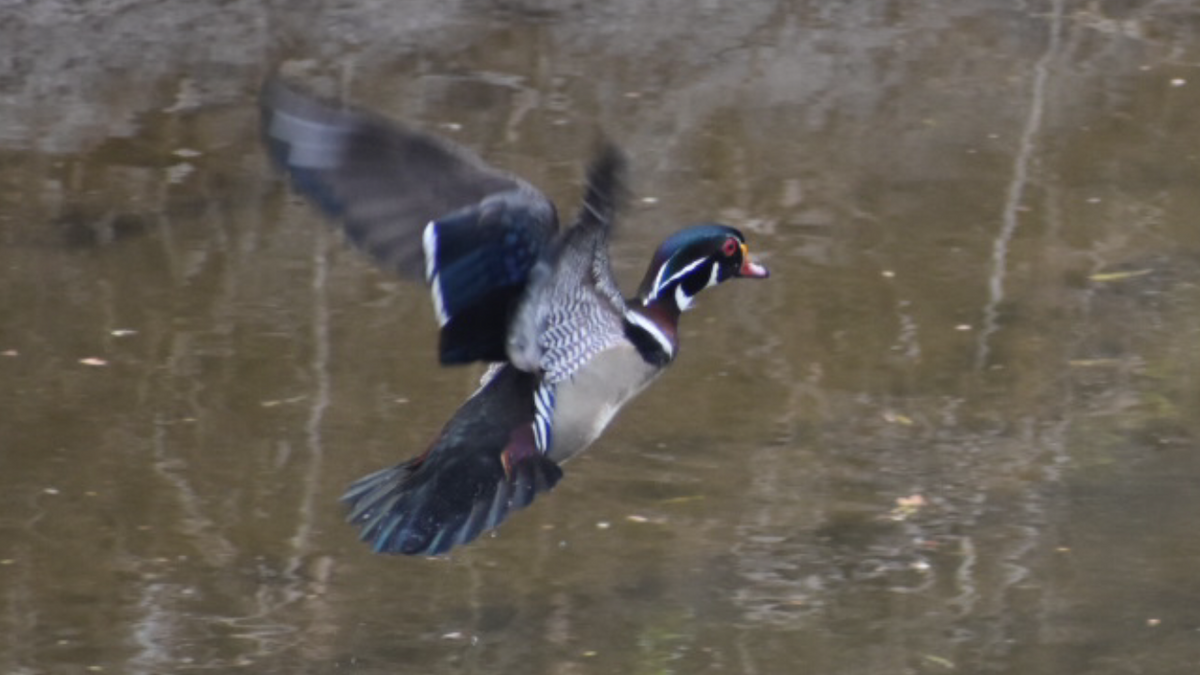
(952, 432)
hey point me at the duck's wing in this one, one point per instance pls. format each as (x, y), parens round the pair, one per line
(419, 205)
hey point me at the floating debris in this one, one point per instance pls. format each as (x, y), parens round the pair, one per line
(638, 518)
(907, 506)
(682, 500)
(1093, 363)
(93, 361)
(1105, 277)
(176, 173)
(939, 661)
(282, 401)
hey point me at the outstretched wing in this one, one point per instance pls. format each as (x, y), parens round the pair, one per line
(421, 207)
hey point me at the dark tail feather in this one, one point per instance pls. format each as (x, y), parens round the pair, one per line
(425, 507)
(606, 190)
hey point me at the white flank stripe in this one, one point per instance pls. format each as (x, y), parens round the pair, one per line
(543, 416)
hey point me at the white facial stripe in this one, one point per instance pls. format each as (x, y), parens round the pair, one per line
(429, 244)
(659, 284)
(655, 332)
(658, 280)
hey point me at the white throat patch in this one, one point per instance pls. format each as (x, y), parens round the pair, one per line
(682, 299)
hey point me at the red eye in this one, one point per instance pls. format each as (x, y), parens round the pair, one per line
(729, 247)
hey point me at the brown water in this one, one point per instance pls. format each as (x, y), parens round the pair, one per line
(957, 431)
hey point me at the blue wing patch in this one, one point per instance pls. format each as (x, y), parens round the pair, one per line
(477, 262)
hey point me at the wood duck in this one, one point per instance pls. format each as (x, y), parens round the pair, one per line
(542, 306)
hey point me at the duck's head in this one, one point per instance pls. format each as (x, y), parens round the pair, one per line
(694, 259)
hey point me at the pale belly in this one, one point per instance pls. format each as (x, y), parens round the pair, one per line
(585, 404)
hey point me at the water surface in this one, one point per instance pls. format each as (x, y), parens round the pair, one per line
(956, 431)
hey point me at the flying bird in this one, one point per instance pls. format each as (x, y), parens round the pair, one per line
(511, 288)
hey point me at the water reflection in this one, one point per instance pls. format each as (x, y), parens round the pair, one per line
(955, 431)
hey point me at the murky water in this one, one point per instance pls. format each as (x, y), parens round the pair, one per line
(957, 431)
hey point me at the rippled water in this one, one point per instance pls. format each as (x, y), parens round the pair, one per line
(956, 431)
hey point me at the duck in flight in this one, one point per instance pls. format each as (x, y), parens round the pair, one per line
(510, 288)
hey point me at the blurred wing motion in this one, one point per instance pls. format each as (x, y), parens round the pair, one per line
(421, 207)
